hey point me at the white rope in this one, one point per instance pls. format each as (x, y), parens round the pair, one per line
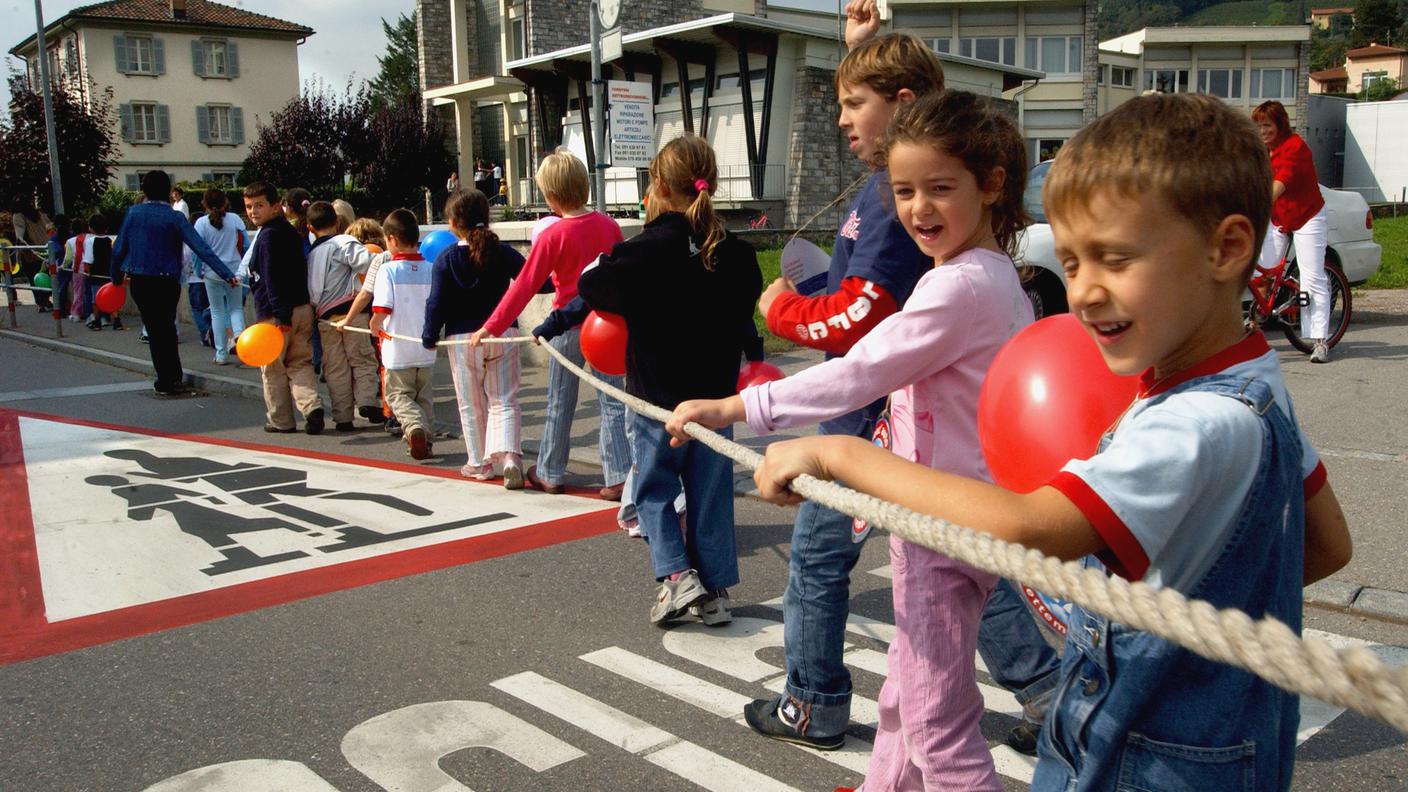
(1354, 678)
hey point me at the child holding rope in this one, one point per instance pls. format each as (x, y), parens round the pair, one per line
(957, 168)
(683, 286)
(467, 282)
(1205, 485)
(398, 309)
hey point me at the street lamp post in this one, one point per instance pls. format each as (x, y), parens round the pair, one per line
(43, 56)
(598, 132)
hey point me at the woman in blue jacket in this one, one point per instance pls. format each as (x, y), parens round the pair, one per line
(148, 250)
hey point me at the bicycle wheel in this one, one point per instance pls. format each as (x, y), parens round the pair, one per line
(1288, 307)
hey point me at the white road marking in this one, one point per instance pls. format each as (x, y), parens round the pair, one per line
(245, 775)
(1315, 714)
(402, 749)
(886, 572)
(77, 390)
(668, 752)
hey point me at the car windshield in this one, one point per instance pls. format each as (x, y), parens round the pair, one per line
(1032, 196)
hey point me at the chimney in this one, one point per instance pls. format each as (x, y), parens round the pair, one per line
(178, 9)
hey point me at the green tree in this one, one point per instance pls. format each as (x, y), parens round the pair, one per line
(312, 142)
(1379, 91)
(1326, 49)
(1376, 21)
(400, 74)
(402, 153)
(85, 133)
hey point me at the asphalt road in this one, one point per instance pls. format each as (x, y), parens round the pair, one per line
(546, 654)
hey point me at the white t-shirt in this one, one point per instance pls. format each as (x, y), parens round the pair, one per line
(181, 207)
(1165, 493)
(402, 287)
(224, 241)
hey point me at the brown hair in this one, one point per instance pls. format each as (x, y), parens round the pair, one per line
(401, 225)
(321, 215)
(1201, 157)
(891, 63)
(215, 205)
(684, 165)
(564, 177)
(262, 189)
(297, 201)
(1275, 112)
(367, 231)
(468, 211)
(972, 129)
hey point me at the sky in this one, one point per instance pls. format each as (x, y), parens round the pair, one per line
(346, 45)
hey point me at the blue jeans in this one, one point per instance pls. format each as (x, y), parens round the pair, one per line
(62, 297)
(627, 511)
(815, 607)
(557, 423)
(1014, 649)
(200, 307)
(226, 314)
(707, 544)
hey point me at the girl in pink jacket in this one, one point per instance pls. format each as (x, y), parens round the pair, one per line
(957, 171)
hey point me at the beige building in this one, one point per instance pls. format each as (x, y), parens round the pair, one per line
(1053, 41)
(189, 79)
(1367, 65)
(1244, 65)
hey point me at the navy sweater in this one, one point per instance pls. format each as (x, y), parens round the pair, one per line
(278, 270)
(463, 295)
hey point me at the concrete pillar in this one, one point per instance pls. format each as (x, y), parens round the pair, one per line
(464, 138)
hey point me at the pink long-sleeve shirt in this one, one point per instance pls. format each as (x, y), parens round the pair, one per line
(930, 358)
(561, 251)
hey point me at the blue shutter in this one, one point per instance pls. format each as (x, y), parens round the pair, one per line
(134, 182)
(163, 124)
(158, 56)
(207, 177)
(119, 48)
(202, 123)
(124, 114)
(236, 125)
(232, 59)
(198, 57)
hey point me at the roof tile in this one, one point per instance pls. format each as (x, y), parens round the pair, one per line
(198, 13)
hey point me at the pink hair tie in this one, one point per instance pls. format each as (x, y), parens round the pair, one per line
(700, 185)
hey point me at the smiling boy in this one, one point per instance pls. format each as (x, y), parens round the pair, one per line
(1206, 485)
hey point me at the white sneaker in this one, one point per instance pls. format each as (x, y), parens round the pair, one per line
(478, 473)
(513, 477)
(674, 597)
(714, 611)
(1321, 353)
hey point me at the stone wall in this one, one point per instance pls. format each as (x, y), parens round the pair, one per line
(820, 164)
(485, 29)
(1303, 88)
(433, 43)
(1089, 94)
(559, 24)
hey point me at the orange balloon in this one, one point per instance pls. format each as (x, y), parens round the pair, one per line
(260, 344)
(373, 248)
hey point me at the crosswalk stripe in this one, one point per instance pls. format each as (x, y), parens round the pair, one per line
(683, 758)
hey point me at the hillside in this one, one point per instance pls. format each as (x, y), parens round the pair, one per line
(1247, 12)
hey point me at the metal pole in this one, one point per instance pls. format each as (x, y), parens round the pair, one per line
(598, 132)
(43, 56)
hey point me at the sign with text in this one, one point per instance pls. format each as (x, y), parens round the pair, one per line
(632, 123)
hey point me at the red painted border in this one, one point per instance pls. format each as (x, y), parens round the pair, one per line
(25, 634)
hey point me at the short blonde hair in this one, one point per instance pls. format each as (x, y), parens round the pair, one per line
(563, 177)
(367, 230)
(1203, 159)
(890, 63)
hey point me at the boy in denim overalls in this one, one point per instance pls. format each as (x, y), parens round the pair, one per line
(1205, 485)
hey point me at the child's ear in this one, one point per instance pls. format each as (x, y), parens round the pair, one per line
(1231, 246)
(904, 96)
(992, 188)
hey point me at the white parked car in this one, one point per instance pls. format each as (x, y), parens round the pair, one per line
(1351, 247)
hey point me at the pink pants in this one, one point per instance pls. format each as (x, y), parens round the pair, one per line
(930, 707)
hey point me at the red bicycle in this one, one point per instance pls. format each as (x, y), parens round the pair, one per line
(1277, 299)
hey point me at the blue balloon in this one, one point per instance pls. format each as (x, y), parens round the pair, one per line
(436, 241)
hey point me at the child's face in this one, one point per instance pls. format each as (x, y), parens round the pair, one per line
(259, 209)
(939, 201)
(1151, 288)
(864, 116)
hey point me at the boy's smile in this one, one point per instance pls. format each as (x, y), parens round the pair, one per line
(1152, 288)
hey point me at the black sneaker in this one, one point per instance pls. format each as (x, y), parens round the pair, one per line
(117, 324)
(1022, 738)
(94, 325)
(372, 413)
(766, 717)
(271, 429)
(314, 423)
(393, 426)
(345, 426)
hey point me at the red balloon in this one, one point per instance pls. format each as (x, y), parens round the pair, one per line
(603, 342)
(110, 298)
(756, 372)
(1047, 399)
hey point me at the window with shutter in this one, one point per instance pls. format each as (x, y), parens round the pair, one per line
(198, 57)
(134, 182)
(158, 57)
(236, 126)
(216, 60)
(119, 48)
(163, 124)
(125, 126)
(202, 123)
(232, 59)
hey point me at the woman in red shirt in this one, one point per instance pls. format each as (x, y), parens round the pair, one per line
(1297, 212)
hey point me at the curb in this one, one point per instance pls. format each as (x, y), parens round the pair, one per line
(213, 383)
(1367, 601)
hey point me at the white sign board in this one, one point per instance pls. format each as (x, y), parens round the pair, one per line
(632, 106)
(611, 45)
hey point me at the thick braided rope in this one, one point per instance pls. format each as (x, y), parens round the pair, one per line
(1354, 678)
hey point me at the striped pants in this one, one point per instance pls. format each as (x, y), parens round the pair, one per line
(486, 387)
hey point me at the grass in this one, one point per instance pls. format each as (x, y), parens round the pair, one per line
(770, 262)
(1245, 12)
(1392, 235)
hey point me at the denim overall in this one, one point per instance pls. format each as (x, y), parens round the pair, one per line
(1135, 713)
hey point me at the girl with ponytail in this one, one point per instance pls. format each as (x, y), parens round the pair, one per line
(686, 289)
(467, 282)
(224, 232)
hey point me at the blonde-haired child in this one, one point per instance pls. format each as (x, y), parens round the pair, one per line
(684, 270)
(562, 252)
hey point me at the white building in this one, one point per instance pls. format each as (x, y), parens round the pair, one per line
(189, 78)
